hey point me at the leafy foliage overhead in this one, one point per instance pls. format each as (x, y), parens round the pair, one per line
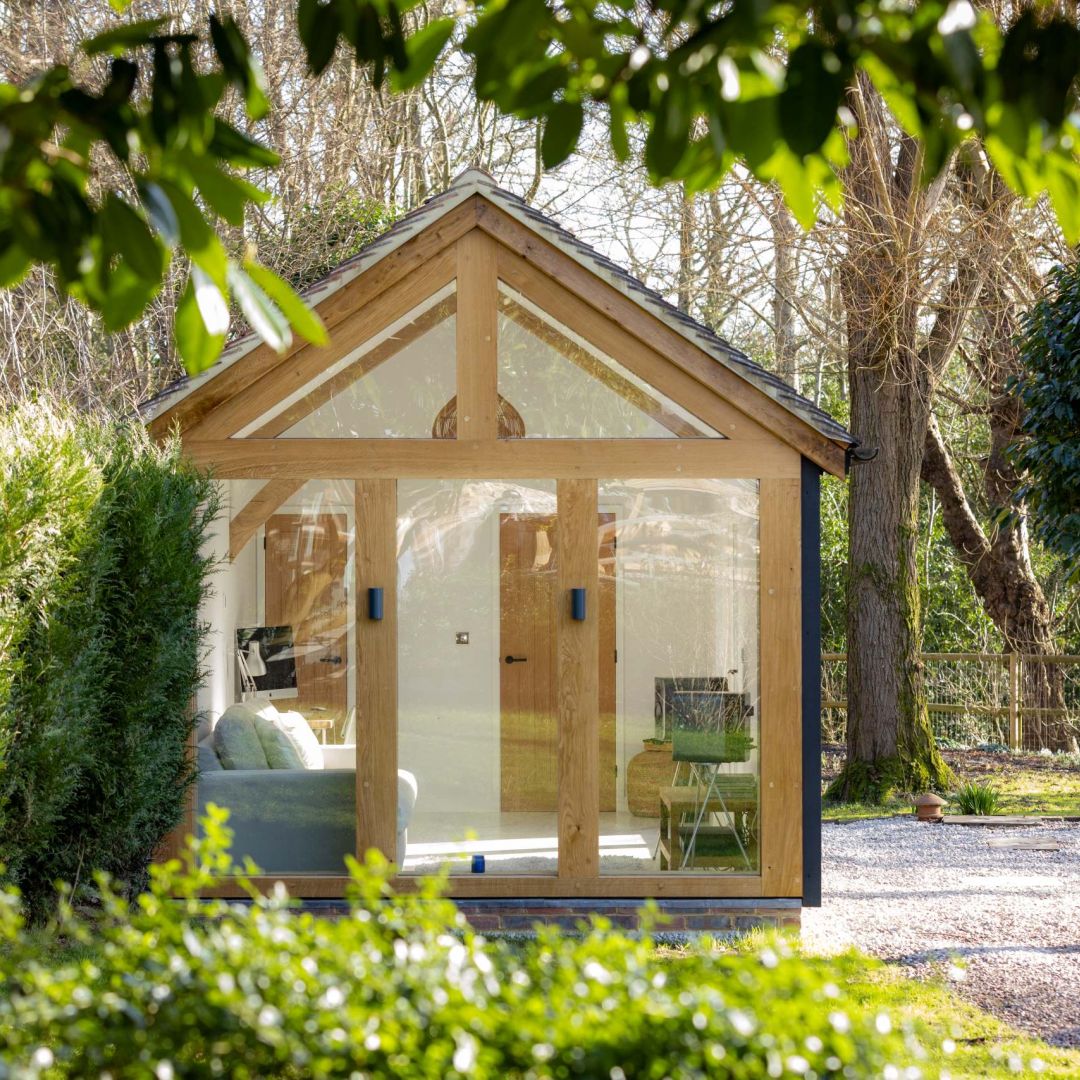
(703, 80)
(1050, 392)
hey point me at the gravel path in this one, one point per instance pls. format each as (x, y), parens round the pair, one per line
(919, 895)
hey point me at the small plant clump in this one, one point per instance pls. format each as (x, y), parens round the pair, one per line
(975, 799)
(401, 987)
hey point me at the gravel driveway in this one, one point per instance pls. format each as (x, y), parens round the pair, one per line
(919, 895)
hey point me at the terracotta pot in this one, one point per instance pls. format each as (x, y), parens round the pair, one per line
(646, 773)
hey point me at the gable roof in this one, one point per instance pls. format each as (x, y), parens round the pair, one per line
(477, 182)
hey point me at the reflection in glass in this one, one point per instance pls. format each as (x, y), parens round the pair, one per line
(392, 386)
(281, 756)
(685, 571)
(561, 387)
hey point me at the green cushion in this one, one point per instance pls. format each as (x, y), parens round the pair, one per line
(276, 745)
(237, 744)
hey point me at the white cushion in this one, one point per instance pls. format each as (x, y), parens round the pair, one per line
(304, 740)
(339, 756)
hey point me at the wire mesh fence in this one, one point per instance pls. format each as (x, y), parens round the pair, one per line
(980, 699)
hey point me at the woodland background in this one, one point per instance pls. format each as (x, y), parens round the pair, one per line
(940, 275)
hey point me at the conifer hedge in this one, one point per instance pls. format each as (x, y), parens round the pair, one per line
(101, 576)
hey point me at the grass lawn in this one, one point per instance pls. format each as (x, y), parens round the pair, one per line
(963, 1042)
(1026, 784)
(978, 1044)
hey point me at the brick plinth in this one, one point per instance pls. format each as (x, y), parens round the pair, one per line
(677, 916)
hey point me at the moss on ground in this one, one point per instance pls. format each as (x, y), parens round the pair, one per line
(1026, 783)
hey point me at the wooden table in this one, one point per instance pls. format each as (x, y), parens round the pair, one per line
(320, 725)
(734, 795)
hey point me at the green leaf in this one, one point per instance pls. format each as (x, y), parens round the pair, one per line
(422, 50)
(561, 131)
(225, 194)
(213, 306)
(121, 38)
(198, 348)
(160, 211)
(240, 64)
(14, 263)
(126, 232)
(201, 243)
(319, 25)
(125, 296)
(262, 314)
(303, 319)
(1063, 181)
(807, 105)
(238, 149)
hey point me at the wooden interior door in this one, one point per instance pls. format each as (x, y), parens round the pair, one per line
(306, 555)
(528, 744)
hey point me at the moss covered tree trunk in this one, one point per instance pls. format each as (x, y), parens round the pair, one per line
(892, 368)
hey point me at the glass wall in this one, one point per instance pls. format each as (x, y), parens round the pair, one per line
(277, 747)
(477, 563)
(684, 569)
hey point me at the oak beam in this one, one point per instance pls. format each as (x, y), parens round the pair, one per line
(669, 886)
(257, 509)
(498, 459)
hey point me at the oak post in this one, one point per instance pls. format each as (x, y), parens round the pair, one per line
(477, 338)
(780, 722)
(376, 669)
(578, 692)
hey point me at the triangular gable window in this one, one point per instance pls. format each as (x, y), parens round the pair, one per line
(392, 386)
(561, 387)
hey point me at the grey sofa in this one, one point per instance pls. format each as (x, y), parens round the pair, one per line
(296, 821)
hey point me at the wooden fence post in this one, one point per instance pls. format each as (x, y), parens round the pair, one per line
(1014, 701)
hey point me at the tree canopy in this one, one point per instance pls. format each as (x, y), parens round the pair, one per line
(711, 85)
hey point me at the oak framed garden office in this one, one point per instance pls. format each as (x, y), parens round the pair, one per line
(523, 545)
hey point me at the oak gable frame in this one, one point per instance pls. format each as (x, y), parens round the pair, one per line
(474, 247)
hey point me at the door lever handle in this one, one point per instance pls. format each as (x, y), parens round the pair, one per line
(516, 659)
(329, 659)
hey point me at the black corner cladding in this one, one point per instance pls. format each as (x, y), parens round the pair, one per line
(811, 681)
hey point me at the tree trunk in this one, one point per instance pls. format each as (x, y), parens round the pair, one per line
(889, 740)
(890, 744)
(784, 236)
(1000, 571)
(686, 249)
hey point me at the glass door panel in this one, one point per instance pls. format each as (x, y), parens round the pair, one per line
(682, 560)
(477, 721)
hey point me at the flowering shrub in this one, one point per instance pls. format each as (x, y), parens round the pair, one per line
(181, 987)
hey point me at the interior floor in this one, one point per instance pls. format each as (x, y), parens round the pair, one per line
(524, 843)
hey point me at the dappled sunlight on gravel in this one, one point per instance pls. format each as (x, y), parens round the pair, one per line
(926, 895)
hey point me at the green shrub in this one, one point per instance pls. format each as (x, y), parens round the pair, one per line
(100, 583)
(975, 798)
(402, 988)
